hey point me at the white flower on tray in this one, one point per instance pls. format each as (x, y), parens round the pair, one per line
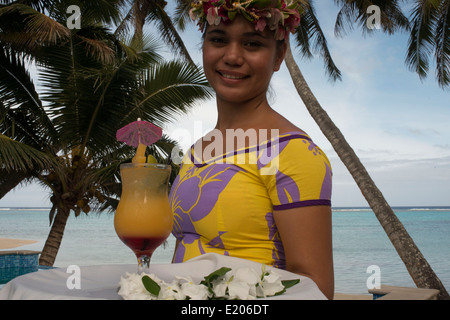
(222, 284)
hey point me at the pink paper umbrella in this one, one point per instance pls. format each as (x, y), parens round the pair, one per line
(139, 131)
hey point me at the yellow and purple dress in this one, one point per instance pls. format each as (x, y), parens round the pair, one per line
(225, 205)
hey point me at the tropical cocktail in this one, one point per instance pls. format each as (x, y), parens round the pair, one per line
(143, 218)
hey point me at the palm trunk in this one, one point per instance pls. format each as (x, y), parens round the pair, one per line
(51, 247)
(417, 266)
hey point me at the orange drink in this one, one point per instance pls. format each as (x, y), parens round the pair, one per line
(143, 218)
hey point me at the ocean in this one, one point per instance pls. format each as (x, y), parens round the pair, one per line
(360, 244)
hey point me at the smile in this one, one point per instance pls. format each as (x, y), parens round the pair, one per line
(232, 76)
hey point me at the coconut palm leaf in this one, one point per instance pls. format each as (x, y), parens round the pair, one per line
(168, 32)
(181, 15)
(421, 41)
(16, 156)
(11, 179)
(392, 18)
(442, 40)
(430, 33)
(39, 5)
(309, 35)
(141, 11)
(22, 115)
(71, 71)
(167, 91)
(24, 28)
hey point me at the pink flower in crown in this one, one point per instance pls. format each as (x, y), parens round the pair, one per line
(293, 20)
(260, 25)
(213, 12)
(274, 19)
(212, 16)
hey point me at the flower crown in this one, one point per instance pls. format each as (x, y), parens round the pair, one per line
(281, 16)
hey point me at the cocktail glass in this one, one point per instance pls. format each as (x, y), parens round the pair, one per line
(143, 219)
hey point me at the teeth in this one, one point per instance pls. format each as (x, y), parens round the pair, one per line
(229, 76)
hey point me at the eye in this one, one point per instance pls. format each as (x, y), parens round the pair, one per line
(253, 44)
(217, 40)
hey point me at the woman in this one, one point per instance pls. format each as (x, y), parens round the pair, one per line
(266, 199)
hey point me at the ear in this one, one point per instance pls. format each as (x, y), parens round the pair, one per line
(281, 52)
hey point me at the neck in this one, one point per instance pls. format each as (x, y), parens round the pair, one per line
(243, 115)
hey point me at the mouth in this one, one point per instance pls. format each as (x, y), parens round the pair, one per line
(232, 75)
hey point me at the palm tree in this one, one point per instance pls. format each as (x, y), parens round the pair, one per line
(154, 11)
(95, 83)
(391, 20)
(309, 34)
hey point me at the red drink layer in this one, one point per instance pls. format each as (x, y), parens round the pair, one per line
(143, 245)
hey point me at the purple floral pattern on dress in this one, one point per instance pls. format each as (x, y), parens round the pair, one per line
(278, 250)
(194, 195)
(200, 194)
(325, 192)
(287, 189)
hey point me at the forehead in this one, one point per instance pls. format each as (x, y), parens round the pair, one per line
(238, 27)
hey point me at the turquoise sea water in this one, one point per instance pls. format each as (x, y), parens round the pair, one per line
(358, 240)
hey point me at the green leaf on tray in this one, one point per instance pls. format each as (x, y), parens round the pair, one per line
(289, 283)
(213, 276)
(151, 285)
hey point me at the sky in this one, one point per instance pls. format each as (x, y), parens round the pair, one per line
(397, 124)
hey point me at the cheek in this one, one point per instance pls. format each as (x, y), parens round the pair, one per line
(209, 61)
(266, 67)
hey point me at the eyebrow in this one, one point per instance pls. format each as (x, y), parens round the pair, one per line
(246, 34)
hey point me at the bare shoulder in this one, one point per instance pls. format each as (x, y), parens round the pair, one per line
(283, 124)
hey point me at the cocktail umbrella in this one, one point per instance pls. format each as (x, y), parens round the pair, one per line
(138, 132)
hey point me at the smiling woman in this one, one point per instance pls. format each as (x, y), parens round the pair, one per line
(227, 47)
(230, 203)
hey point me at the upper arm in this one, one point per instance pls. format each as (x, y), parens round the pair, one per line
(306, 234)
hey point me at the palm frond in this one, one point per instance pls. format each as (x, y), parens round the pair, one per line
(11, 179)
(16, 156)
(442, 40)
(97, 43)
(22, 115)
(421, 41)
(181, 16)
(168, 31)
(309, 36)
(99, 12)
(36, 28)
(115, 92)
(353, 12)
(169, 89)
(39, 5)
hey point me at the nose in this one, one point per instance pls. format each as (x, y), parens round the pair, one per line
(233, 55)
